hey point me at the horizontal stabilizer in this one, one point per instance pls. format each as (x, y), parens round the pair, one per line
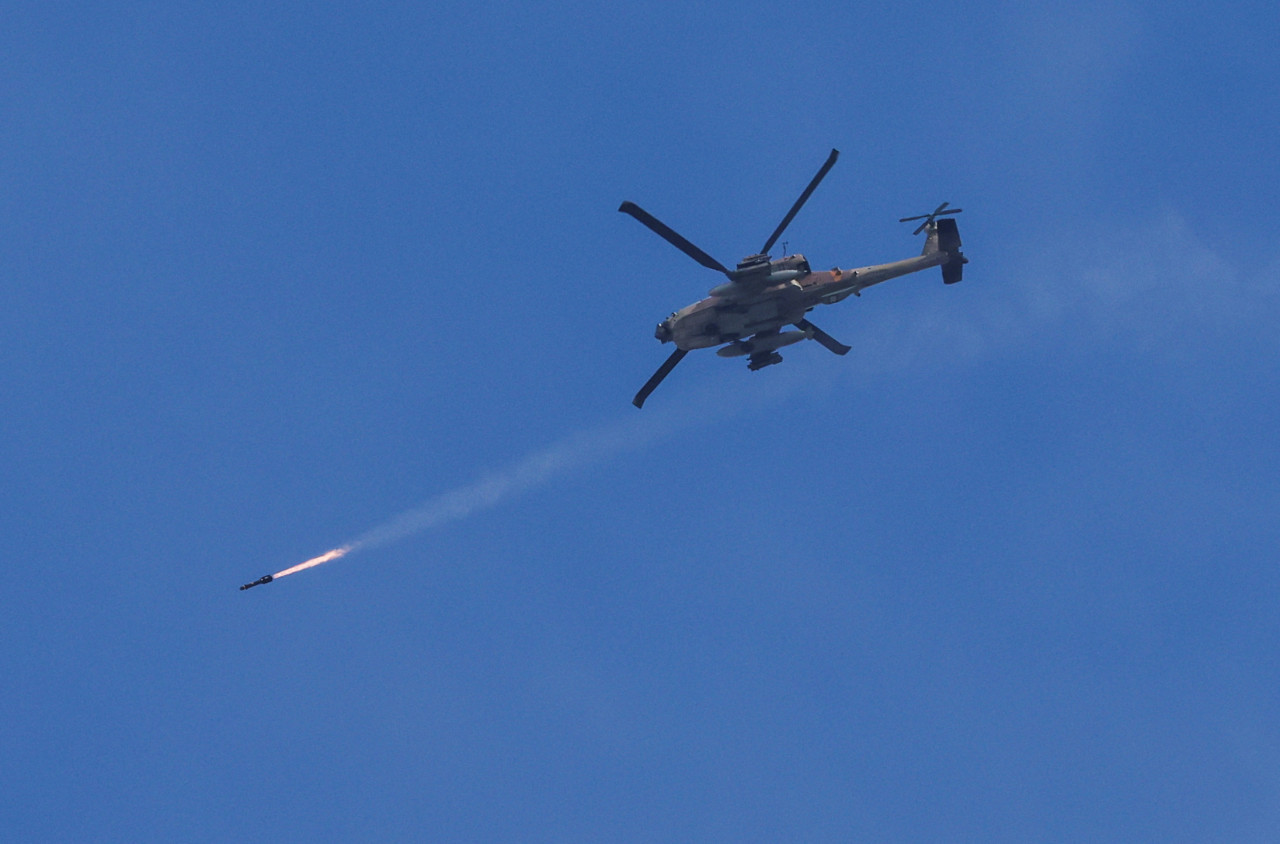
(949, 242)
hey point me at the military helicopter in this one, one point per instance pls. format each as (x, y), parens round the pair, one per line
(762, 296)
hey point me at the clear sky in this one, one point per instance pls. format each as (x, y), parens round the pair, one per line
(276, 275)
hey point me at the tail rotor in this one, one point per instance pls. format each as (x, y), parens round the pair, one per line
(930, 217)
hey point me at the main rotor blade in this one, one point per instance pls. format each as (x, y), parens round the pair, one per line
(831, 161)
(663, 371)
(824, 339)
(668, 234)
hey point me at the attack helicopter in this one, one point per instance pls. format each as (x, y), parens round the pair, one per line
(747, 313)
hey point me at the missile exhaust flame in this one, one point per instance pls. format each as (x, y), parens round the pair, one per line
(315, 561)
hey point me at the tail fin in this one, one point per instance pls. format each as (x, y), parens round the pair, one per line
(944, 236)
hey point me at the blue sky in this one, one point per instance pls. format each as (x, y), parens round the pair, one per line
(276, 276)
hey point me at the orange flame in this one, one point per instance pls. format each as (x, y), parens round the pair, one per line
(315, 561)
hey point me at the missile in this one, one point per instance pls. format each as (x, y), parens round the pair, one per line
(264, 579)
(762, 343)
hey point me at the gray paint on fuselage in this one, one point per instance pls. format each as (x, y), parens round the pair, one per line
(716, 320)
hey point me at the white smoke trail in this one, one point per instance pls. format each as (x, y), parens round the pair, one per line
(570, 453)
(532, 471)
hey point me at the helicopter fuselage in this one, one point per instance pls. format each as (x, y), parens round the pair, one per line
(782, 298)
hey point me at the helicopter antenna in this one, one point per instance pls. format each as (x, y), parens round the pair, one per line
(929, 218)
